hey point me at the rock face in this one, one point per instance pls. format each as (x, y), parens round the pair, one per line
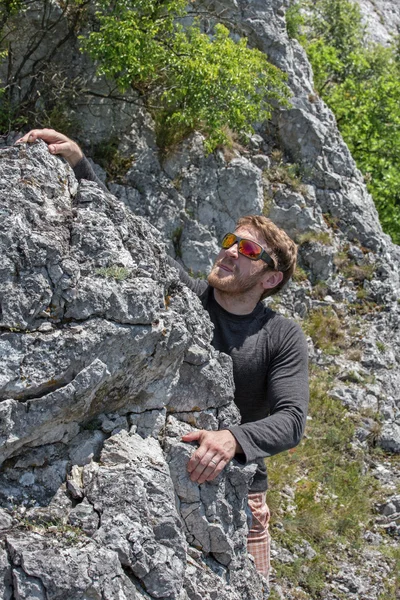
(382, 19)
(97, 341)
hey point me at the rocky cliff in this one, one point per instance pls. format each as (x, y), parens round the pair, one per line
(105, 363)
(106, 358)
(382, 19)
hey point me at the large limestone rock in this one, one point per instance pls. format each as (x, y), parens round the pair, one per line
(99, 345)
(382, 19)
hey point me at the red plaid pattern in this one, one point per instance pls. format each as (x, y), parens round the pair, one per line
(258, 539)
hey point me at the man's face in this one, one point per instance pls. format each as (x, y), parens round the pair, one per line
(234, 273)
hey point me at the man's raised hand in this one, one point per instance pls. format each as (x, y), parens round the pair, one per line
(216, 449)
(57, 142)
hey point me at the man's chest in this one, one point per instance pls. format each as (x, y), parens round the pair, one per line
(249, 347)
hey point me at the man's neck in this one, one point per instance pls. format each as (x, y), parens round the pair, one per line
(236, 304)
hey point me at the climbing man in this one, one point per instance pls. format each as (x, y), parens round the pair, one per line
(268, 351)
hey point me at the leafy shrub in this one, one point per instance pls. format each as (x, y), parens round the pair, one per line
(360, 82)
(188, 79)
(294, 20)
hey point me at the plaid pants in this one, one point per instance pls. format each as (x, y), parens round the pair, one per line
(258, 539)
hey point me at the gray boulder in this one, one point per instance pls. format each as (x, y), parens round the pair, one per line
(99, 344)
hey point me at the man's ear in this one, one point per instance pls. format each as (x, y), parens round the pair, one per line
(271, 279)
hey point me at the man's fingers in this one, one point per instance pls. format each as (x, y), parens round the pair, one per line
(34, 134)
(212, 471)
(216, 449)
(58, 148)
(47, 135)
(27, 137)
(199, 457)
(201, 466)
(192, 436)
(57, 144)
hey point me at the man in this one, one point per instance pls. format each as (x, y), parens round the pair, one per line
(269, 352)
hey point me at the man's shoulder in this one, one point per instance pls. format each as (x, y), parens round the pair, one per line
(280, 327)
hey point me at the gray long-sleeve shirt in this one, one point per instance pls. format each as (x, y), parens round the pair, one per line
(270, 369)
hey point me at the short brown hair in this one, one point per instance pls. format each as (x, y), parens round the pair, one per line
(282, 249)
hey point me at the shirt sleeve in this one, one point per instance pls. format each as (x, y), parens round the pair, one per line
(198, 286)
(288, 396)
(83, 170)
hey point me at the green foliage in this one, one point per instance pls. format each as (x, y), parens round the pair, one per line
(392, 585)
(320, 290)
(360, 81)
(299, 275)
(286, 173)
(189, 80)
(9, 8)
(176, 240)
(294, 20)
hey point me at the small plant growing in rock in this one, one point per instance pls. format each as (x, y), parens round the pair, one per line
(354, 354)
(361, 294)
(268, 199)
(331, 221)
(320, 290)
(287, 174)
(299, 275)
(320, 237)
(326, 330)
(109, 158)
(232, 144)
(353, 271)
(113, 272)
(381, 346)
(375, 431)
(176, 240)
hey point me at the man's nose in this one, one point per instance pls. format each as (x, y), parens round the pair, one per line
(232, 251)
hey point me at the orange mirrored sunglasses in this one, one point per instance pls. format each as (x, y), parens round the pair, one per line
(247, 248)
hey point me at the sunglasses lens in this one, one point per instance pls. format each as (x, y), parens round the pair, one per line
(250, 249)
(228, 240)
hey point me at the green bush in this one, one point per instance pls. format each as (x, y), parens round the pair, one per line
(360, 82)
(189, 80)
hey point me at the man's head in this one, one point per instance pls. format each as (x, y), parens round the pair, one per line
(234, 273)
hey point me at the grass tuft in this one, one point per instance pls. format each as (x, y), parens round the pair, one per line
(113, 272)
(320, 237)
(333, 496)
(326, 330)
(299, 275)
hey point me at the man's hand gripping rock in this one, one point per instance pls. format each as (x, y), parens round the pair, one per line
(57, 142)
(216, 449)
